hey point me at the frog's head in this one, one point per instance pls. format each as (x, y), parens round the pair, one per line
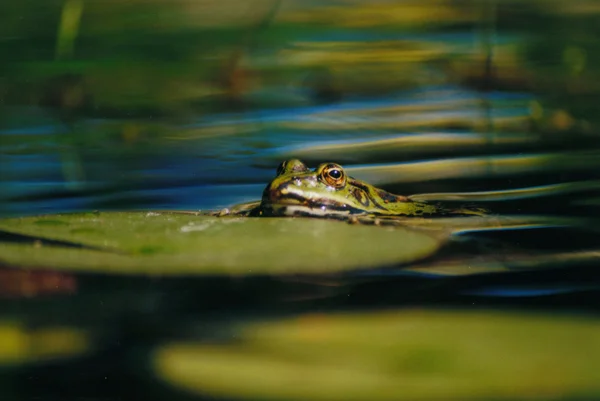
(325, 191)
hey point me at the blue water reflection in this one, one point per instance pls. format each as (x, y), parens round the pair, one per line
(213, 161)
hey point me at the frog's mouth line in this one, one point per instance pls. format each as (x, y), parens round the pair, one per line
(294, 207)
(284, 201)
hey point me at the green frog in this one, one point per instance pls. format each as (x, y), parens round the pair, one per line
(327, 191)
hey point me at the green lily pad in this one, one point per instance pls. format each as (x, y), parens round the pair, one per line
(172, 244)
(416, 355)
(474, 224)
(19, 345)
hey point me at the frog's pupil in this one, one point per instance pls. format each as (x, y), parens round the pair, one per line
(335, 174)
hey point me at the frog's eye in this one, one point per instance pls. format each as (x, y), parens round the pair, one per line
(291, 166)
(281, 168)
(334, 175)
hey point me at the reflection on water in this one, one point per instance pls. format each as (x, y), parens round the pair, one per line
(192, 105)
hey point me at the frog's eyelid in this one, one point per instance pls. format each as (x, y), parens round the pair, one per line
(298, 165)
(300, 168)
(291, 166)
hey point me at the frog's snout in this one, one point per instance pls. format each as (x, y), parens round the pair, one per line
(270, 193)
(276, 192)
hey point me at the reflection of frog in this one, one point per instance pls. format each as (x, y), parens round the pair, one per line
(328, 192)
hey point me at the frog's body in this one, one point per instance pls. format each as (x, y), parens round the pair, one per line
(328, 192)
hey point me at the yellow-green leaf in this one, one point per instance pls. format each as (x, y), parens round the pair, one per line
(409, 355)
(175, 244)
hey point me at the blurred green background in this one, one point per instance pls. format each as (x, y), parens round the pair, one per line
(109, 87)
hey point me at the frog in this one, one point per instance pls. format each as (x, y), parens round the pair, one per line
(328, 191)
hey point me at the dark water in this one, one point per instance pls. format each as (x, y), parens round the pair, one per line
(436, 136)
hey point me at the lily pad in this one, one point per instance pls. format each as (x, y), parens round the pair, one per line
(478, 224)
(19, 345)
(174, 244)
(416, 355)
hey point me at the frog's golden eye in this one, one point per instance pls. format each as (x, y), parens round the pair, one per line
(334, 175)
(291, 166)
